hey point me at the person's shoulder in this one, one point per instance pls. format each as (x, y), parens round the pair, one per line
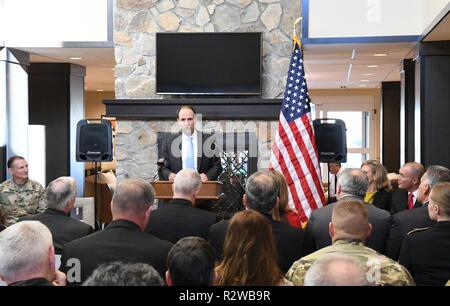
(5, 185)
(35, 185)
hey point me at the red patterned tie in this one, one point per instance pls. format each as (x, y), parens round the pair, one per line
(410, 201)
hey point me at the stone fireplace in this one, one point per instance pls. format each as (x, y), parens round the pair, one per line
(141, 113)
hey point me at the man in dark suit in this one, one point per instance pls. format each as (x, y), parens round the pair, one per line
(189, 149)
(261, 195)
(179, 218)
(61, 194)
(408, 220)
(405, 197)
(351, 185)
(425, 252)
(123, 239)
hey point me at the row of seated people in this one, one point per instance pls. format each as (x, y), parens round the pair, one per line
(291, 244)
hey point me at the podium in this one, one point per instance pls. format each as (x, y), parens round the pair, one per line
(208, 190)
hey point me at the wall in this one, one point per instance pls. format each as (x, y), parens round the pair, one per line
(93, 103)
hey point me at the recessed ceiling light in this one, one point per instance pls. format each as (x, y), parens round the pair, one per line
(373, 66)
(100, 90)
(75, 58)
(364, 80)
(380, 54)
(368, 74)
(362, 85)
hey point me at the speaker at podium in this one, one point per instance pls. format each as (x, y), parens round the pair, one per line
(331, 140)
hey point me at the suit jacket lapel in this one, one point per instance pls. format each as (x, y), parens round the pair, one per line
(179, 160)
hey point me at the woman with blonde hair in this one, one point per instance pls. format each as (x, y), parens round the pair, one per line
(379, 185)
(249, 256)
(284, 213)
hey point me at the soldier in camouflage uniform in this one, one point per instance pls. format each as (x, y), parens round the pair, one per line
(348, 230)
(20, 196)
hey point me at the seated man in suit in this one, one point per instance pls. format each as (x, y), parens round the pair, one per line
(191, 262)
(408, 220)
(351, 185)
(61, 194)
(189, 150)
(27, 256)
(261, 194)
(123, 239)
(349, 228)
(179, 218)
(426, 252)
(405, 197)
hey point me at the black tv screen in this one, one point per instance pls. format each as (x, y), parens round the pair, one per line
(208, 63)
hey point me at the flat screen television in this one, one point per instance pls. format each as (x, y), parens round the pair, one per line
(208, 63)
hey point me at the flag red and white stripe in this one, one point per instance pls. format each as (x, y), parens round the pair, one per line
(294, 151)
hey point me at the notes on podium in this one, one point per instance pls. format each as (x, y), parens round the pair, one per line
(208, 190)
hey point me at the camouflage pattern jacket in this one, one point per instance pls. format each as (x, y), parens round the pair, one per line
(19, 201)
(383, 271)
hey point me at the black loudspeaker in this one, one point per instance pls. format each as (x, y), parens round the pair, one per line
(331, 140)
(94, 140)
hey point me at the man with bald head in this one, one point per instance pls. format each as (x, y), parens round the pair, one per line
(406, 196)
(349, 229)
(180, 218)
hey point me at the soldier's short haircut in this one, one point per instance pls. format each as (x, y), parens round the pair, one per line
(133, 196)
(350, 218)
(24, 248)
(60, 191)
(12, 159)
(437, 174)
(261, 191)
(124, 274)
(353, 182)
(191, 262)
(187, 182)
(337, 269)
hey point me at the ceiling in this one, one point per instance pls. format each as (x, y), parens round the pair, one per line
(328, 66)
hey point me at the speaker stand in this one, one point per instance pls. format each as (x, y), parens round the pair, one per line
(97, 222)
(329, 183)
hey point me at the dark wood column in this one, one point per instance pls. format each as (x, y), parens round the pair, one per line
(391, 125)
(407, 108)
(434, 99)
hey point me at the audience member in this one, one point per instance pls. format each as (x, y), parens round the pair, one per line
(405, 197)
(336, 269)
(348, 229)
(123, 239)
(191, 262)
(250, 256)
(378, 191)
(335, 170)
(124, 274)
(179, 218)
(27, 256)
(407, 220)
(61, 194)
(284, 212)
(20, 196)
(426, 252)
(352, 185)
(261, 194)
(193, 153)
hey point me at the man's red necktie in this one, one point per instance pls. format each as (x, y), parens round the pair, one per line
(410, 201)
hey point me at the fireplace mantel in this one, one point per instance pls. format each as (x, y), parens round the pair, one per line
(211, 109)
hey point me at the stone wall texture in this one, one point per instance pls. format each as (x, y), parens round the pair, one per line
(135, 25)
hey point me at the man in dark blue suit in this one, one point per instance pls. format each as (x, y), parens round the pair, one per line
(261, 194)
(189, 149)
(123, 239)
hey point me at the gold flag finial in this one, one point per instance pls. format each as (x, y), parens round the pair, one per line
(297, 21)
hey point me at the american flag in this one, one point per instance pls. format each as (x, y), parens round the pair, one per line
(294, 152)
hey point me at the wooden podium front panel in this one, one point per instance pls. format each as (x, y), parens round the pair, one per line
(208, 190)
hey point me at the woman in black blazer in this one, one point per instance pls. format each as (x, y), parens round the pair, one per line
(378, 193)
